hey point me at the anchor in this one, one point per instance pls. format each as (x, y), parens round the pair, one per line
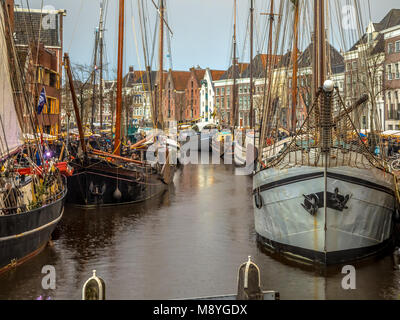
(311, 203)
(96, 192)
(338, 203)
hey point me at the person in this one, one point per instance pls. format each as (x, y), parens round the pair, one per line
(386, 149)
(390, 148)
(377, 150)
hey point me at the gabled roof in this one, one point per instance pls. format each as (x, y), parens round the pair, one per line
(216, 74)
(239, 71)
(132, 78)
(180, 79)
(285, 60)
(259, 64)
(198, 74)
(336, 59)
(391, 19)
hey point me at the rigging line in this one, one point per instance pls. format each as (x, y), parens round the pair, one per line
(36, 61)
(76, 24)
(27, 101)
(147, 27)
(154, 42)
(143, 33)
(247, 32)
(137, 47)
(168, 38)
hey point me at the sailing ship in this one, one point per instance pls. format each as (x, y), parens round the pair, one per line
(31, 196)
(222, 143)
(245, 139)
(106, 179)
(325, 198)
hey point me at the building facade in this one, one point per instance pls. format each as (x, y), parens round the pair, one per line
(41, 59)
(392, 77)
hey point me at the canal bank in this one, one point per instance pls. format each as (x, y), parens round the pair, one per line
(187, 242)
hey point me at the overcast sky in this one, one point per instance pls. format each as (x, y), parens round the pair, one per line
(202, 29)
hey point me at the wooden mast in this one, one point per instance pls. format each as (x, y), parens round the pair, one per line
(160, 121)
(117, 142)
(234, 111)
(96, 44)
(101, 65)
(295, 63)
(67, 66)
(251, 116)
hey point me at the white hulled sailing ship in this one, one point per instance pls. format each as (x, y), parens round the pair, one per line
(326, 197)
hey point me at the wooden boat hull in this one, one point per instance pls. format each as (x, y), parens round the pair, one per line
(24, 235)
(100, 184)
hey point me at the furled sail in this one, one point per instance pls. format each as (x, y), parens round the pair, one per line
(10, 130)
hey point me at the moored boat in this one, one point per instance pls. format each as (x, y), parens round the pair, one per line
(31, 196)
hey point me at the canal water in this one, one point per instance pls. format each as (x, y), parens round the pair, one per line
(188, 242)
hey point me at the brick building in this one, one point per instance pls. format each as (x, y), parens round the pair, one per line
(392, 74)
(224, 91)
(173, 105)
(191, 111)
(375, 55)
(41, 59)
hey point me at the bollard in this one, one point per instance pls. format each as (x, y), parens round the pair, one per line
(249, 282)
(94, 288)
(396, 258)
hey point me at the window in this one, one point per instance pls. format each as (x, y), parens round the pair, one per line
(222, 91)
(390, 48)
(389, 71)
(217, 91)
(397, 46)
(354, 65)
(397, 71)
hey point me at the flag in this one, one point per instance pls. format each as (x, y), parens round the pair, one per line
(42, 101)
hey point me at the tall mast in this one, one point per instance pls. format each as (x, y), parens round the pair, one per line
(264, 127)
(67, 66)
(251, 62)
(117, 142)
(319, 47)
(234, 111)
(161, 66)
(295, 63)
(101, 63)
(94, 80)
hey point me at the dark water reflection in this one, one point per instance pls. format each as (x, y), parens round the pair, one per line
(188, 242)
